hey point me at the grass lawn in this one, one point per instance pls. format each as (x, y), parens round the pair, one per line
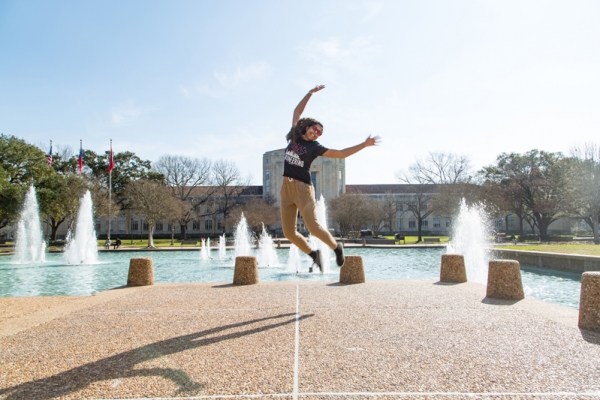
(587, 249)
(137, 243)
(413, 239)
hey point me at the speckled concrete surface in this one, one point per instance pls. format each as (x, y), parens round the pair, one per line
(391, 339)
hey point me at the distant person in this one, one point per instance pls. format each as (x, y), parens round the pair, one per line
(107, 244)
(297, 192)
(117, 243)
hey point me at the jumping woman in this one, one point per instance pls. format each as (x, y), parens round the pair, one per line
(297, 192)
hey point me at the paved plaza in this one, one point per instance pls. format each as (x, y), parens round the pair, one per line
(386, 339)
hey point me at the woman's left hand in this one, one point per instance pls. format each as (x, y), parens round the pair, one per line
(372, 141)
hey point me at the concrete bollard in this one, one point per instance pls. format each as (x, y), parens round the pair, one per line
(589, 302)
(141, 272)
(246, 271)
(352, 271)
(504, 280)
(453, 268)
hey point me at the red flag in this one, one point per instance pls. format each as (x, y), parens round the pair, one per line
(111, 162)
(80, 160)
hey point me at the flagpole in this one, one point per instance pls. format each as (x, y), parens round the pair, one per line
(109, 187)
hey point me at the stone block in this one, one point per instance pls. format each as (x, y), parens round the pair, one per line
(352, 271)
(453, 268)
(246, 271)
(504, 280)
(589, 303)
(141, 272)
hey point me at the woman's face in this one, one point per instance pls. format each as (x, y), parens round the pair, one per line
(313, 132)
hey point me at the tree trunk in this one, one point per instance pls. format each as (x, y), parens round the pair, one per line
(595, 226)
(173, 233)
(420, 225)
(54, 227)
(521, 232)
(183, 231)
(543, 227)
(150, 234)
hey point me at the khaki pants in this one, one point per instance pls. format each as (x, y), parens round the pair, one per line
(299, 196)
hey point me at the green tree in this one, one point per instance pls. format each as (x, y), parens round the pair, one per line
(59, 197)
(534, 182)
(21, 165)
(128, 167)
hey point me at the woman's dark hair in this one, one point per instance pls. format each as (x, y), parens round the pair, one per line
(300, 128)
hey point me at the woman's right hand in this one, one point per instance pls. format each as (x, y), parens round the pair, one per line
(316, 89)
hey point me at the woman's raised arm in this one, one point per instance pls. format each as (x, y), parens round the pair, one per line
(300, 107)
(370, 141)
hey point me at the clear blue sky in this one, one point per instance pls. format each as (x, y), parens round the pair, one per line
(220, 79)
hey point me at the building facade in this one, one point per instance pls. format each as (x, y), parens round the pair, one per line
(328, 176)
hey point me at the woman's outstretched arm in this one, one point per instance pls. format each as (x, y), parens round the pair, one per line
(370, 141)
(300, 107)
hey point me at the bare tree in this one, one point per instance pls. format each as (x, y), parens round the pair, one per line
(451, 173)
(150, 200)
(442, 168)
(389, 208)
(585, 185)
(257, 212)
(184, 175)
(229, 185)
(419, 204)
(351, 212)
(177, 211)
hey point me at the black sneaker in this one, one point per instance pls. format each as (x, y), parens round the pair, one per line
(339, 255)
(316, 256)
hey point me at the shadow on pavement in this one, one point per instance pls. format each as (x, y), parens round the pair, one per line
(122, 365)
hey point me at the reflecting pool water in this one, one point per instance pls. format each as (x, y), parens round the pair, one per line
(55, 278)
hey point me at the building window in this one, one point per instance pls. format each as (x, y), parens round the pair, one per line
(267, 185)
(145, 226)
(98, 226)
(412, 223)
(196, 225)
(399, 206)
(121, 224)
(447, 223)
(511, 221)
(498, 223)
(436, 222)
(425, 223)
(159, 227)
(134, 225)
(219, 225)
(208, 224)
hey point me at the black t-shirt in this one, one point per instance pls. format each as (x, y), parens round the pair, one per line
(299, 157)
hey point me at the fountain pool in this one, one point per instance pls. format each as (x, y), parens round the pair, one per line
(57, 278)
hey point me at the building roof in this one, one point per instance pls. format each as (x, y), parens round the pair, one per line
(394, 189)
(251, 190)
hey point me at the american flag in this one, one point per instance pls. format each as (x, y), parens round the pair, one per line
(50, 155)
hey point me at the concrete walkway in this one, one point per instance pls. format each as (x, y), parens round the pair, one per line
(388, 339)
